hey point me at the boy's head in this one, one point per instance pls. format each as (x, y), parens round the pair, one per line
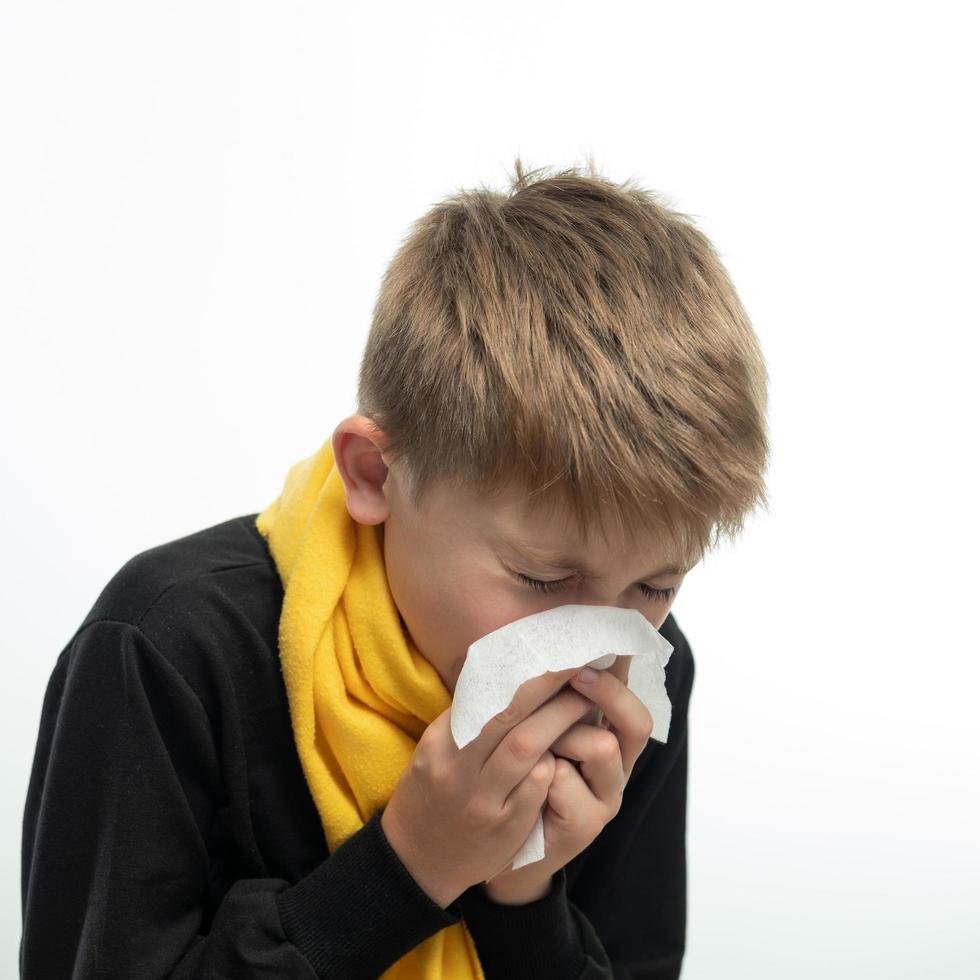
(561, 373)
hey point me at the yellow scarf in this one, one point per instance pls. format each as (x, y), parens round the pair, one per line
(360, 693)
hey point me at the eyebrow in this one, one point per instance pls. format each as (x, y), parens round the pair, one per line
(559, 561)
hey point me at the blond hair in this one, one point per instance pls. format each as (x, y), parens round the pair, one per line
(579, 342)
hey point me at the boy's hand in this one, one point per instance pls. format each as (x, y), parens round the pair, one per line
(459, 816)
(582, 801)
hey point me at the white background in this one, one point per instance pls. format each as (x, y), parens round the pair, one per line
(198, 201)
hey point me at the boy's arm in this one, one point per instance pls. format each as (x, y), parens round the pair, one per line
(116, 869)
(619, 910)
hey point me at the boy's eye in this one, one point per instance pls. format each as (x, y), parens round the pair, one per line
(538, 585)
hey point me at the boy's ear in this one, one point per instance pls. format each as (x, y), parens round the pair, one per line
(357, 449)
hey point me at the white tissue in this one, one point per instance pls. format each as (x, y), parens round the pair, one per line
(558, 639)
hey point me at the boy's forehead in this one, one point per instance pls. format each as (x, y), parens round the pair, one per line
(554, 544)
(579, 560)
(515, 522)
(539, 531)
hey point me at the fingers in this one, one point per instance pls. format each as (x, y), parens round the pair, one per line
(600, 762)
(627, 715)
(527, 699)
(573, 813)
(521, 748)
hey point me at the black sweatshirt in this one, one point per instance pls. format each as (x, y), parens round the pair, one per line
(169, 830)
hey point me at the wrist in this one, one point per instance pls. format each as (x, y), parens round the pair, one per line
(437, 891)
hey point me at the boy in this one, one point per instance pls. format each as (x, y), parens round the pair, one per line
(244, 766)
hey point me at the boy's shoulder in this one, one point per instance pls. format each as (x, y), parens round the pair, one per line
(208, 602)
(171, 574)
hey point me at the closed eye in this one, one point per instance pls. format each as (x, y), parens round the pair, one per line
(661, 594)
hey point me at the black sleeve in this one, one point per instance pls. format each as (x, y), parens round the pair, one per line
(547, 938)
(622, 913)
(125, 784)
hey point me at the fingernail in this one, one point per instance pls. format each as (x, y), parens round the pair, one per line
(586, 675)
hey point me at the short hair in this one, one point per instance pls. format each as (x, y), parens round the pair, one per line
(577, 341)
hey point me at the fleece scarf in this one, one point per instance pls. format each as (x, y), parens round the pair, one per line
(360, 693)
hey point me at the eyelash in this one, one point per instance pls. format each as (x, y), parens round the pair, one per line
(540, 586)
